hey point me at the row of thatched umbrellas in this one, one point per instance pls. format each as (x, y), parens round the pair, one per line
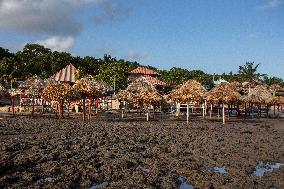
(59, 92)
(143, 93)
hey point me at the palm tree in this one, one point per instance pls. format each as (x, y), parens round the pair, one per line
(248, 72)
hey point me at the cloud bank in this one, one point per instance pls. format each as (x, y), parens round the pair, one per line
(59, 44)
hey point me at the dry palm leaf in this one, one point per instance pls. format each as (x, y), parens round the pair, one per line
(190, 91)
(88, 86)
(141, 92)
(260, 95)
(57, 92)
(224, 93)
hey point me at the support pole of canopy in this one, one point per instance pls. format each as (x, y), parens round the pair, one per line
(187, 113)
(147, 113)
(205, 107)
(211, 109)
(218, 112)
(203, 112)
(13, 104)
(33, 105)
(223, 113)
(84, 108)
(90, 103)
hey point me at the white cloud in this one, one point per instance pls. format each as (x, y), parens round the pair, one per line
(136, 56)
(55, 43)
(271, 4)
(52, 17)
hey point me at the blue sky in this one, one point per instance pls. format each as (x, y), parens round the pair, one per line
(214, 36)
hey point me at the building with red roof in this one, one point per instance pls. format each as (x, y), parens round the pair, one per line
(148, 74)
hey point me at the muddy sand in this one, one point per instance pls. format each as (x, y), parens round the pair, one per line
(70, 153)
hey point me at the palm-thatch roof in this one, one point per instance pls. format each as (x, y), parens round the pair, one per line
(224, 93)
(88, 86)
(259, 94)
(275, 87)
(140, 91)
(57, 92)
(3, 91)
(277, 100)
(190, 91)
(33, 85)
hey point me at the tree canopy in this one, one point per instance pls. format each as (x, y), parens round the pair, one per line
(35, 59)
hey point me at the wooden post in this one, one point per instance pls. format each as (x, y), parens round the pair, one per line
(211, 109)
(187, 113)
(223, 114)
(274, 109)
(61, 108)
(267, 110)
(84, 108)
(90, 103)
(42, 106)
(33, 105)
(218, 112)
(228, 110)
(245, 109)
(13, 105)
(68, 109)
(203, 112)
(147, 113)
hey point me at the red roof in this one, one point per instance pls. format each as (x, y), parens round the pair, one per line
(67, 74)
(154, 81)
(144, 71)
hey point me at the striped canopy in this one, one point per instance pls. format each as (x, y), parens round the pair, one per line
(67, 74)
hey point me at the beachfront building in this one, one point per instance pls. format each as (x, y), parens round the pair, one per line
(148, 74)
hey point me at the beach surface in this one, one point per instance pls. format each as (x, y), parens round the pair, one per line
(168, 153)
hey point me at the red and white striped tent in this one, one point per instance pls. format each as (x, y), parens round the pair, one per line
(67, 74)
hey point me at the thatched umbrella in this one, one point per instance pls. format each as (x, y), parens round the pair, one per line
(89, 87)
(225, 93)
(141, 92)
(33, 86)
(57, 93)
(190, 91)
(259, 95)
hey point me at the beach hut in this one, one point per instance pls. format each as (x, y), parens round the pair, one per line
(225, 93)
(141, 92)
(190, 91)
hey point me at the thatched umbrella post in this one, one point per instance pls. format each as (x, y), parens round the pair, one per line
(189, 92)
(13, 104)
(223, 112)
(84, 108)
(211, 109)
(187, 113)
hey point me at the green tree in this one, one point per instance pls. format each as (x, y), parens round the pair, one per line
(36, 60)
(273, 80)
(114, 73)
(249, 72)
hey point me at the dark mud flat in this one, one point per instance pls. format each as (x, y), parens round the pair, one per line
(50, 153)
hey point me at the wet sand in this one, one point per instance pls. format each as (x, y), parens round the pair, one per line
(68, 153)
